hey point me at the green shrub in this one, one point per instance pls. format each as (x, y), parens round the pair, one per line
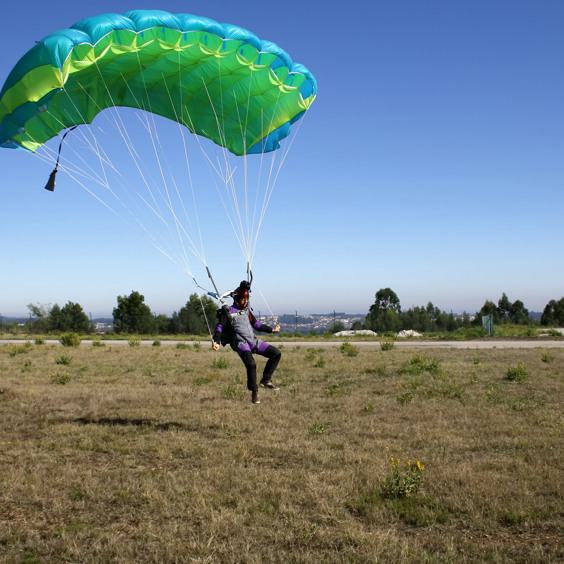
(405, 480)
(547, 356)
(517, 373)
(221, 362)
(349, 350)
(319, 428)
(405, 397)
(134, 341)
(232, 391)
(13, 350)
(69, 340)
(63, 359)
(314, 357)
(59, 377)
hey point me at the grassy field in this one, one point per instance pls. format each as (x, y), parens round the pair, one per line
(156, 455)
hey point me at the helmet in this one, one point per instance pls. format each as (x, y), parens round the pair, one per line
(241, 293)
(243, 290)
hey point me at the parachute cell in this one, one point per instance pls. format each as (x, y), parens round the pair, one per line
(219, 80)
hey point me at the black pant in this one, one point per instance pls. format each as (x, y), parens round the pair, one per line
(273, 355)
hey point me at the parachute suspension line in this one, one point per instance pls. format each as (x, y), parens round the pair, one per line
(274, 174)
(269, 189)
(95, 148)
(205, 317)
(268, 306)
(155, 207)
(215, 172)
(186, 158)
(159, 150)
(65, 164)
(76, 179)
(178, 227)
(227, 177)
(243, 123)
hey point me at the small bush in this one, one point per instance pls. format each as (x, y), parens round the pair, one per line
(314, 357)
(63, 359)
(232, 391)
(319, 428)
(97, 342)
(13, 350)
(59, 377)
(156, 343)
(39, 340)
(420, 363)
(517, 373)
(405, 397)
(547, 356)
(134, 342)
(221, 363)
(553, 333)
(349, 350)
(405, 480)
(69, 340)
(387, 343)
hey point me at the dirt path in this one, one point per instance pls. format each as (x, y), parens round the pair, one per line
(540, 343)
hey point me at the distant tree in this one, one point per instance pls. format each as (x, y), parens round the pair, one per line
(466, 321)
(198, 316)
(39, 312)
(384, 314)
(518, 313)
(489, 308)
(54, 319)
(174, 323)
(132, 315)
(356, 325)
(553, 314)
(416, 318)
(163, 324)
(451, 324)
(504, 308)
(337, 326)
(74, 319)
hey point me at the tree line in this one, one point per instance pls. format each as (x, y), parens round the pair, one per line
(131, 315)
(198, 316)
(386, 315)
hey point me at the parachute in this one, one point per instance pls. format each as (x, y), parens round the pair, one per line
(219, 80)
(229, 95)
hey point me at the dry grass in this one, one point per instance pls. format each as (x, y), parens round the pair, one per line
(155, 454)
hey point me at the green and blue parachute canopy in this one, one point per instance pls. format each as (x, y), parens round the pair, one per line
(219, 80)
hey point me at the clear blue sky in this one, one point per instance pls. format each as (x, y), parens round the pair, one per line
(431, 162)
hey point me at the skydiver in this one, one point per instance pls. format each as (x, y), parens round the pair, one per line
(235, 327)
